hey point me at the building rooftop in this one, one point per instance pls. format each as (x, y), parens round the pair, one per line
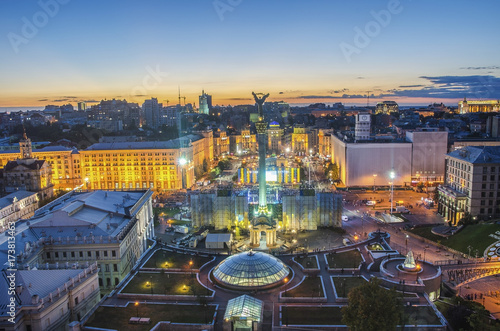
(19, 195)
(171, 144)
(477, 154)
(77, 218)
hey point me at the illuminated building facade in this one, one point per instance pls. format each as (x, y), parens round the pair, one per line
(126, 165)
(245, 142)
(221, 142)
(300, 141)
(274, 174)
(325, 142)
(471, 184)
(478, 106)
(386, 107)
(274, 138)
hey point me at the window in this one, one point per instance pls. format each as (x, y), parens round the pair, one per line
(113, 253)
(105, 253)
(483, 202)
(72, 254)
(64, 255)
(107, 267)
(89, 253)
(481, 211)
(81, 254)
(48, 255)
(76, 301)
(115, 267)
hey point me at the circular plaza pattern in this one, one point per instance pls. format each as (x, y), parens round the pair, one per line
(250, 270)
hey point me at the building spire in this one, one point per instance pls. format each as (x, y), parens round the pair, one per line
(25, 146)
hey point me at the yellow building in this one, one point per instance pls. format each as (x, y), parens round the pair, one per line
(274, 137)
(300, 140)
(478, 106)
(324, 142)
(164, 165)
(246, 142)
(221, 143)
(157, 165)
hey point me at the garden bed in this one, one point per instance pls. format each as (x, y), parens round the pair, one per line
(344, 260)
(343, 285)
(165, 284)
(118, 317)
(310, 287)
(300, 315)
(165, 259)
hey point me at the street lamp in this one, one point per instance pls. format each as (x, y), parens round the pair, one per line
(137, 308)
(425, 248)
(406, 242)
(392, 175)
(374, 176)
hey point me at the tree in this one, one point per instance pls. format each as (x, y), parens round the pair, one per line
(467, 219)
(372, 307)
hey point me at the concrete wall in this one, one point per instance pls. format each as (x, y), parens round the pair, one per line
(365, 160)
(429, 149)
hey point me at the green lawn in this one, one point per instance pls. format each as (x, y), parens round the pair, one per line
(348, 259)
(343, 285)
(165, 283)
(476, 235)
(310, 287)
(171, 260)
(308, 262)
(117, 317)
(420, 315)
(311, 315)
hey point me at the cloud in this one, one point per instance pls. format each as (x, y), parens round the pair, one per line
(139, 95)
(70, 97)
(280, 93)
(60, 100)
(481, 68)
(360, 77)
(91, 101)
(239, 99)
(407, 86)
(43, 99)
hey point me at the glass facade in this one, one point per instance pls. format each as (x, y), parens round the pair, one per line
(250, 269)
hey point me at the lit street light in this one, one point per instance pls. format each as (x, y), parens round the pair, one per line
(374, 176)
(392, 175)
(137, 308)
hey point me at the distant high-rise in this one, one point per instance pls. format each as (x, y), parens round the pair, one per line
(205, 103)
(151, 109)
(82, 106)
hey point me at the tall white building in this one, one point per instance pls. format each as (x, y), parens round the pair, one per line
(205, 103)
(362, 128)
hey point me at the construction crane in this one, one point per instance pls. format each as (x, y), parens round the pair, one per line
(368, 98)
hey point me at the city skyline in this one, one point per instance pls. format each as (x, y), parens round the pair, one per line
(414, 53)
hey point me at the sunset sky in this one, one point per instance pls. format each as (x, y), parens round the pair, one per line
(413, 52)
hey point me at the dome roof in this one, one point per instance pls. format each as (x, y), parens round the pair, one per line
(249, 270)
